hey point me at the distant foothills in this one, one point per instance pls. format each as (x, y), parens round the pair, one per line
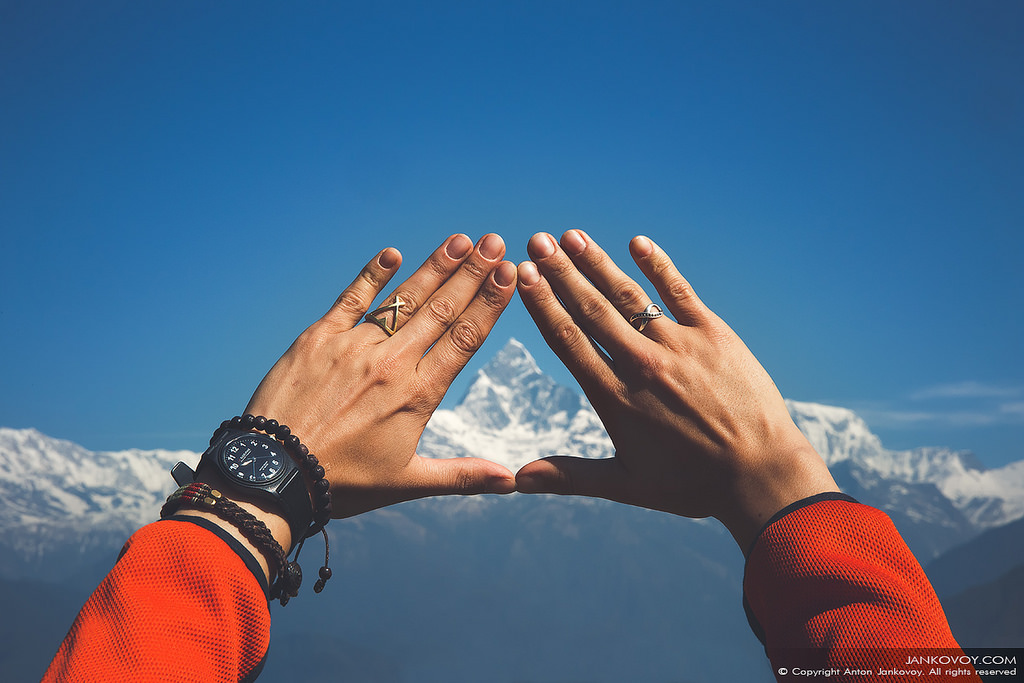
(469, 584)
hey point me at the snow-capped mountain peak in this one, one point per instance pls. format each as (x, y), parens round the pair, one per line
(837, 434)
(985, 497)
(512, 390)
(513, 413)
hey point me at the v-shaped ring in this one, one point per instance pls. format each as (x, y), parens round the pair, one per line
(382, 320)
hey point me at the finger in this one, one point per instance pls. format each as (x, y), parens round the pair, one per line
(572, 476)
(457, 476)
(587, 305)
(351, 305)
(591, 368)
(444, 306)
(410, 295)
(672, 287)
(628, 297)
(449, 355)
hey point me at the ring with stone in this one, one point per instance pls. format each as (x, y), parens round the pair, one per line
(640, 320)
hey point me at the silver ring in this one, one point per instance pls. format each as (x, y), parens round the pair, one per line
(645, 316)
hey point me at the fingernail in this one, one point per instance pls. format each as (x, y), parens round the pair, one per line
(491, 247)
(458, 246)
(541, 245)
(505, 274)
(389, 258)
(573, 242)
(642, 246)
(528, 274)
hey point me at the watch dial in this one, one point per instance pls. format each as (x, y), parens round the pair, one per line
(253, 460)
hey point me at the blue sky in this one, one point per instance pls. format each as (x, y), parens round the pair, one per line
(184, 186)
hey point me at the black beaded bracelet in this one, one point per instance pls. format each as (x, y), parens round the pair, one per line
(200, 496)
(320, 488)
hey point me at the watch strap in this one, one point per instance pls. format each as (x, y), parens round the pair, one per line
(289, 493)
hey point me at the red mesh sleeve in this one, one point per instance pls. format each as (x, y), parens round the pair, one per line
(835, 576)
(179, 605)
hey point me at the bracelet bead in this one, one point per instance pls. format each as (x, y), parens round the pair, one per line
(316, 478)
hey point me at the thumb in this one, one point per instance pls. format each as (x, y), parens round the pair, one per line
(460, 476)
(572, 476)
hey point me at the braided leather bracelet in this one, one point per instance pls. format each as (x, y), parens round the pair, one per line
(200, 496)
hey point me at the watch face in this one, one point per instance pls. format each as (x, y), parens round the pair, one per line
(254, 460)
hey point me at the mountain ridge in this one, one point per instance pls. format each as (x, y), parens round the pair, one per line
(62, 499)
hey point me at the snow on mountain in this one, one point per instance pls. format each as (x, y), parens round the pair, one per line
(62, 501)
(47, 480)
(57, 497)
(987, 498)
(513, 413)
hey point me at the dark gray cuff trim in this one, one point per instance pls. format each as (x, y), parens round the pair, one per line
(238, 548)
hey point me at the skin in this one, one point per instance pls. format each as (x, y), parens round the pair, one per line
(359, 399)
(699, 427)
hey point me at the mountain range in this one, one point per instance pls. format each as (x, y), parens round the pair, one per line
(506, 589)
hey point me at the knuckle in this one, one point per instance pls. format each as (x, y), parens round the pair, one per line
(464, 481)
(680, 290)
(649, 365)
(422, 399)
(475, 269)
(350, 302)
(493, 298)
(409, 302)
(439, 267)
(466, 336)
(385, 364)
(591, 307)
(442, 309)
(625, 295)
(372, 276)
(311, 339)
(569, 335)
(560, 267)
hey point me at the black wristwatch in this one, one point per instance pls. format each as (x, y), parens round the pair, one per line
(257, 464)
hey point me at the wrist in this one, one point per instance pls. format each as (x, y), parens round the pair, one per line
(770, 483)
(255, 482)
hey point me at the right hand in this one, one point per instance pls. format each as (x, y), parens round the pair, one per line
(698, 426)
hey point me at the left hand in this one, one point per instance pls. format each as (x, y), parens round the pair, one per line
(360, 399)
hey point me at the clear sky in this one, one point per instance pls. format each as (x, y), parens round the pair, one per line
(185, 185)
